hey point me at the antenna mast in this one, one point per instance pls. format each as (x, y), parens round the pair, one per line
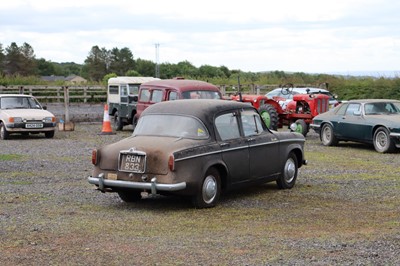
(157, 45)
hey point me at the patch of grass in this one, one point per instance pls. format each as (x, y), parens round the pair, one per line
(11, 157)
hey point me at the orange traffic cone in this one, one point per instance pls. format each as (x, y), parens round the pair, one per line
(107, 130)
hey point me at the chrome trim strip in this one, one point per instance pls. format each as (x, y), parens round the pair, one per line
(393, 134)
(237, 148)
(315, 126)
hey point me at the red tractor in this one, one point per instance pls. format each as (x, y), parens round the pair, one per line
(296, 114)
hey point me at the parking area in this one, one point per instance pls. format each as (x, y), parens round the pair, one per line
(344, 210)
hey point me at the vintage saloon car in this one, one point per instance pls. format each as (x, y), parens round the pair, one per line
(197, 148)
(374, 122)
(23, 114)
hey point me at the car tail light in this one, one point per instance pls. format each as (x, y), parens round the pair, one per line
(94, 157)
(171, 162)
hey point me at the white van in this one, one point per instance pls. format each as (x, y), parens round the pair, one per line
(122, 96)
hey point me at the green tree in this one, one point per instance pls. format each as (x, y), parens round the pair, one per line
(97, 63)
(210, 71)
(28, 60)
(121, 61)
(146, 68)
(132, 73)
(13, 64)
(2, 59)
(45, 68)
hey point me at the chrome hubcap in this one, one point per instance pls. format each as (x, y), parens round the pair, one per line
(209, 189)
(290, 170)
(381, 140)
(327, 135)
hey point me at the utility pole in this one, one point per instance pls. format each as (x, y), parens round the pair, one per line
(157, 60)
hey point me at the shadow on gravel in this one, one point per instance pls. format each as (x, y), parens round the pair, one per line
(174, 203)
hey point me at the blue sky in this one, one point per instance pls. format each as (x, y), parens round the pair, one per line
(256, 35)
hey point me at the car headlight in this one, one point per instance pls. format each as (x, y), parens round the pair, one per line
(15, 119)
(49, 119)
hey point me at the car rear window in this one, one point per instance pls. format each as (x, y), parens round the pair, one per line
(160, 125)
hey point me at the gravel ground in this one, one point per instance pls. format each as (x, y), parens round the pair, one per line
(344, 210)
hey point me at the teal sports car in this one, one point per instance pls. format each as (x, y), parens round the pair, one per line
(372, 121)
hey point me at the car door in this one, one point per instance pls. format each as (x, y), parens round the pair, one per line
(123, 107)
(263, 146)
(352, 124)
(234, 147)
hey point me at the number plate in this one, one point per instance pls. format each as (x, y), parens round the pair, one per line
(34, 125)
(132, 162)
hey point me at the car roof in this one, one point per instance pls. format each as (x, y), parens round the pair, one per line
(132, 80)
(181, 84)
(205, 109)
(372, 100)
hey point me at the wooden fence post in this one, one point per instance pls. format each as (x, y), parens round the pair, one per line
(67, 125)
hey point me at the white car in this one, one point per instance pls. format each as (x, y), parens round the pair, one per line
(23, 114)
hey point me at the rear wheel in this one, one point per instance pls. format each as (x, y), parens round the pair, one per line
(209, 191)
(118, 124)
(382, 141)
(130, 196)
(3, 131)
(327, 136)
(288, 176)
(269, 115)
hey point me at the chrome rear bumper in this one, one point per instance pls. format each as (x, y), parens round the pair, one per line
(153, 186)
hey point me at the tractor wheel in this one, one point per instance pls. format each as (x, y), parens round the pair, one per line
(269, 115)
(301, 127)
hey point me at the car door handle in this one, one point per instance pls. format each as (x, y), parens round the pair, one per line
(224, 144)
(250, 139)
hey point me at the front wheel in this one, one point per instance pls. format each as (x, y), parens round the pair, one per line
(327, 136)
(288, 177)
(49, 134)
(118, 124)
(3, 131)
(208, 193)
(382, 141)
(301, 127)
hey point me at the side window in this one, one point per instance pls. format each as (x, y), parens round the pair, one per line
(342, 109)
(352, 108)
(157, 96)
(144, 95)
(227, 126)
(133, 89)
(113, 89)
(173, 95)
(251, 123)
(124, 93)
